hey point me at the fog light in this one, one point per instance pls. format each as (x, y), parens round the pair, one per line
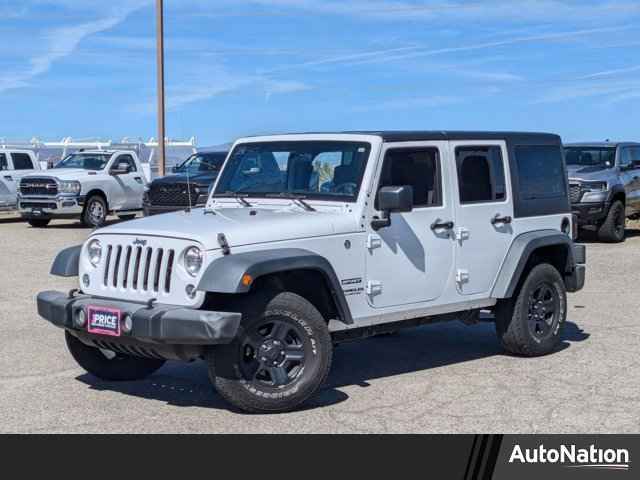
(86, 281)
(127, 324)
(191, 291)
(80, 318)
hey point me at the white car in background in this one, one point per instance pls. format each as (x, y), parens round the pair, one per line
(88, 185)
(14, 164)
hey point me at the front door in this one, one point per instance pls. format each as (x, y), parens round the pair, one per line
(484, 212)
(131, 183)
(411, 260)
(7, 183)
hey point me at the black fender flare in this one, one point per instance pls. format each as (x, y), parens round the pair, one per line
(225, 274)
(67, 262)
(615, 190)
(519, 253)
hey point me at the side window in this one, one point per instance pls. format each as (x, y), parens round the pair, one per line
(625, 157)
(635, 157)
(4, 165)
(481, 174)
(22, 161)
(540, 172)
(417, 167)
(129, 160)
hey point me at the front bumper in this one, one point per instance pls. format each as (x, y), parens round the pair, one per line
(50, 207)
(590, 213)
(8, 207)
(162, 325)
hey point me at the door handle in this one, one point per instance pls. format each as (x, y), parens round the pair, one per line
(440, 225)
(498, 219)
(8, 177)
(138, 179)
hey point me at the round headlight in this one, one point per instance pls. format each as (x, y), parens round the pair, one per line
(193, 259)
(95, 252)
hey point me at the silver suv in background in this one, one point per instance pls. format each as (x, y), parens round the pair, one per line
(604, 181)
(14, 164)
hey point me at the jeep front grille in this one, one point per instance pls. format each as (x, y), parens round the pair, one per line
(575, 192)
(137, 268)
(38, 186)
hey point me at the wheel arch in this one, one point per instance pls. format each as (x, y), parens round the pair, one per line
(292, 269)
(96, 191)
(618, 193)
(532, 248)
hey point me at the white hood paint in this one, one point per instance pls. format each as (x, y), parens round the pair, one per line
(65, 174)
(239, 226)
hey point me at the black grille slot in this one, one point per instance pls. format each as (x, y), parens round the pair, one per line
(38, 186)
(156, 274)
(136, 268)
(116, 266)
(167, 278)
(127, 264)
(106, 265)
(174, 195)
(147, 266)
(50, 206)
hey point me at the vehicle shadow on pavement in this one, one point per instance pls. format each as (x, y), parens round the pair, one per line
(588, 236)
(355, 363)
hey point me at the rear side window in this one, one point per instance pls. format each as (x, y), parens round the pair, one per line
(540, 172)
(3, 162)
(22, 161)
(481, 174)
(417, 167)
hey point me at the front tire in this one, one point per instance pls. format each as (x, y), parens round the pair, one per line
(530, 324)
(39, 222)
(279, 358)
(95, 212)
(612, 229)
(111, 366)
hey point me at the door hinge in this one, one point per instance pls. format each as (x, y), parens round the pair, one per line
(462, 276)
(462, 234)
(373, 242)
(374, 287)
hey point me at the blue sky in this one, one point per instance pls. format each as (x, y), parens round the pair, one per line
(86, 68)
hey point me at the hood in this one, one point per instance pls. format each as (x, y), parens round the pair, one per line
(206, 178)
(64, 174)
(582, 172)
(241, 226)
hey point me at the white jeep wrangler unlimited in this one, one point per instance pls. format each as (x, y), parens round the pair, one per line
(14, 164)
(312, 239)
(87, 185)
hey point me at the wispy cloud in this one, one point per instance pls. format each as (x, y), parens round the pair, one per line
(611, 73)
(611, 92)
(61, 42)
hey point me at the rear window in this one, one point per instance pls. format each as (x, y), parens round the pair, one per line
(541, 172)
(21, 161)
(3, 162)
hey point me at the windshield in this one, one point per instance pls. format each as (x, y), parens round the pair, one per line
(85, 161)
(312, 169)
(202, 163)
(591, 156)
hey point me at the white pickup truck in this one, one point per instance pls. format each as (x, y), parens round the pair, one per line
(88, 185)
(14, 164)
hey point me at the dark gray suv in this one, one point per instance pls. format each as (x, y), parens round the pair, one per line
(604, 181)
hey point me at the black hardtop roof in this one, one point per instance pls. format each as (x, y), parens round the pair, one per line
(599, 144)
(423, 135)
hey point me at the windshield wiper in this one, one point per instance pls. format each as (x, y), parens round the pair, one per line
(298, 199)
(241, 197)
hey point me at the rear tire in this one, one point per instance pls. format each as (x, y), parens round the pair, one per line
(95, 212)
(39, 222)
(531, 322)
(279, 358)
(119, 368)
(612, 229)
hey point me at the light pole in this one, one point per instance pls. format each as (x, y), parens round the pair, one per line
(160, 61)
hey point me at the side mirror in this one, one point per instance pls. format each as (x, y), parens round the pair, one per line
(174, 169)
(395, 199)
(120, 169)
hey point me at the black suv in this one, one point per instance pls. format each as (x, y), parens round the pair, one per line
(188, 186)
(604, 180)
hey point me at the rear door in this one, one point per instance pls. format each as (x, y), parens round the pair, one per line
(483, 212)
(411, 260)
(633, 196)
